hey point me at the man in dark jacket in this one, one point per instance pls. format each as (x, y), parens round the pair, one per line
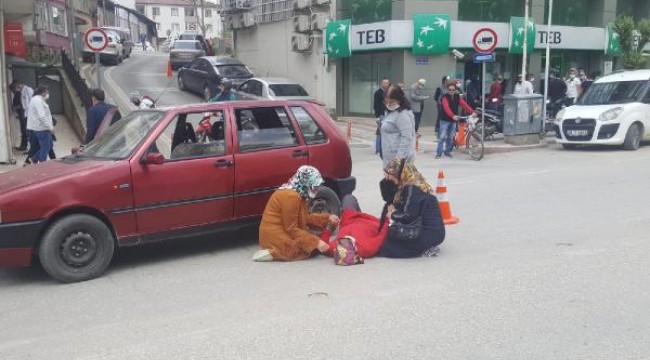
(96, 113)
(380, 110)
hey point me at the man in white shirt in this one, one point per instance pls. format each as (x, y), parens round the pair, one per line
(523, 87)
(39, 122)
(573, 86)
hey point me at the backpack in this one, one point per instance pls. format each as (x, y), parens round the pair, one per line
(346, 252)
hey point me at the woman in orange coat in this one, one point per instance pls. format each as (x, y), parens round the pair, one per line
(283, 231)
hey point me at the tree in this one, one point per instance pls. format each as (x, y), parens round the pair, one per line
(632, 36)
(199, 9)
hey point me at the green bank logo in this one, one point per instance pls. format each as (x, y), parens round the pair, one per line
(337, 39)
(431, 33)
(517, 33)
(612, 41)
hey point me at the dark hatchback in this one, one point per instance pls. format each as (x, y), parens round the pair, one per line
(204, 74)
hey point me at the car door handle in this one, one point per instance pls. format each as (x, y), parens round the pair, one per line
(224, 163)
(300, 153)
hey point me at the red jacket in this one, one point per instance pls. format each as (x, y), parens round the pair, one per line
(447, 109)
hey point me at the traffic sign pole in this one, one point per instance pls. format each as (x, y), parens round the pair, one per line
(96, 40)
(99, 73)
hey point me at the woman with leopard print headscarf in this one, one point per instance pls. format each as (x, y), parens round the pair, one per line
(283, 232)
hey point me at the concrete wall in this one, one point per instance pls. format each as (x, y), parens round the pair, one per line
(266, 50)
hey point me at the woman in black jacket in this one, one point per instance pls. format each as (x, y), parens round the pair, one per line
(413, 200)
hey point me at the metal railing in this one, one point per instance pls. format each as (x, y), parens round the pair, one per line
(78, 82)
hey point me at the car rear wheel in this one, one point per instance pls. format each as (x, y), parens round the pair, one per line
(76, 248)
(632, 137)
(181, 82)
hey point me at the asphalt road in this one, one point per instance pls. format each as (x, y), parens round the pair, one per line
(549, 261)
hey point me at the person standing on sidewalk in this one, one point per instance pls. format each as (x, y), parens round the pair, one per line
(451, 104)
(440, 91)
(417, 102)
(573, 86)
(26, 94)
(96, 113)
(380, 110)
(19, 110)
(397, 128)
(524, 87)
(40, 123)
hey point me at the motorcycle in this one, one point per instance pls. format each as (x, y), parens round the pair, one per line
(493, 118)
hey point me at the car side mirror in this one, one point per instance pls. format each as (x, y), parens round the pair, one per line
(153, 158)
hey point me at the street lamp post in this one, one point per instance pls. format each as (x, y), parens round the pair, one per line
(548, 57)
(525, 48)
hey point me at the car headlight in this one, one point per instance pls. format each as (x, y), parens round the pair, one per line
(610, 114)
(560, 115)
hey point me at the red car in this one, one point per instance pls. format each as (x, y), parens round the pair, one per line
(151, 177)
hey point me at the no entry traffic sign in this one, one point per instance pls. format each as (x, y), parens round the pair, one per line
(485, 40)
(96, 39)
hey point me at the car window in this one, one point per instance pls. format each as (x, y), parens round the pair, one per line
(264, 128)
(613, 93)
(233, 71)
(204, 65)
(123, 137)
(256, 88)
(193, 135)
(196, 64)
(287, 90)
(186, 45)
(646, 98)
(246, 87)
(312, 132)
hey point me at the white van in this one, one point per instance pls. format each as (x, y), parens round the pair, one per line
(615, 110)
(125, 39)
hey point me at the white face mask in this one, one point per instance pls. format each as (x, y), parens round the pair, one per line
(47, 96)
(392, 107)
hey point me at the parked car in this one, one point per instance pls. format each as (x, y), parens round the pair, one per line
(113, 53)
(204, 74)
(207, 47)
(184, 52)
(125, 39)
(615, 110)
(147, 178)
(272, 89)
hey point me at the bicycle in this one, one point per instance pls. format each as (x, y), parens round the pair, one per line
(473, 140)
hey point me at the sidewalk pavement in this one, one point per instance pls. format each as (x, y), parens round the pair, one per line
(364, 131)
(66, 139)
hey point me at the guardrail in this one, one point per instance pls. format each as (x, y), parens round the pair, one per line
(78, 82)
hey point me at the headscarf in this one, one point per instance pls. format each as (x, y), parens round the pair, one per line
(304, 181)
(410, 176)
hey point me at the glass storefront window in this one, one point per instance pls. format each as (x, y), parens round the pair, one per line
(364, 72)
(637, 8)
(570, 13)
(365, 11)
(489, 10)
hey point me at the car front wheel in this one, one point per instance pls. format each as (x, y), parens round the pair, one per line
(76, 248)
(181, 82)
(632, 137)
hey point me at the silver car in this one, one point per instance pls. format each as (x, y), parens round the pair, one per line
(272, 89)
(184, 52)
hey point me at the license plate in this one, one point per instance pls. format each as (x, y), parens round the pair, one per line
(577, 132)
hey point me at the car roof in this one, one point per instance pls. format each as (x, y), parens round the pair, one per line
(632, 75)
(276, 80)
(202, 106)
(222, 60)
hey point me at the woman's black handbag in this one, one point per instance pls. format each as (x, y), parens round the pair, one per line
(405, 232)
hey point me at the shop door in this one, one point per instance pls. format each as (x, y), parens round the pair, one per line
(363, 75)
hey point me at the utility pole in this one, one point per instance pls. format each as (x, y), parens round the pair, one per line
(525, 48)
(548, 57)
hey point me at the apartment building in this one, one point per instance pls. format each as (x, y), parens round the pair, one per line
(174, 17)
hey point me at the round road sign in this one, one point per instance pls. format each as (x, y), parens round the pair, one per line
(485, 40)
(96, 39)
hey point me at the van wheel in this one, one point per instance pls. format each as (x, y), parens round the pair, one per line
(633, 137)
(76, 248)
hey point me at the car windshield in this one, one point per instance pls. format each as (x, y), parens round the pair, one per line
(186, 45)
(613, 93)
(233, 71)
(287, 90)
(187, 37)
(123, 137)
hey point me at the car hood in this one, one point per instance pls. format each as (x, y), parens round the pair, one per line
(48, 171)
(587, 111)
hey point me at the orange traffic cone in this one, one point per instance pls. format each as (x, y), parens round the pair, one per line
(169, 69)
(443, 203)
(460, 137)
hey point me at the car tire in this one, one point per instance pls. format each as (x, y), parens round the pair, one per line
(633, 137)
(328, 198)
(76, 248)
(181, 82)
(206, 92)
(569, 146)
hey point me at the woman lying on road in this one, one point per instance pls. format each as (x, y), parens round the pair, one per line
(413, 200)
(283, 231)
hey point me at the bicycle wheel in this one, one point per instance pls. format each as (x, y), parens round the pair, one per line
(475, 146)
